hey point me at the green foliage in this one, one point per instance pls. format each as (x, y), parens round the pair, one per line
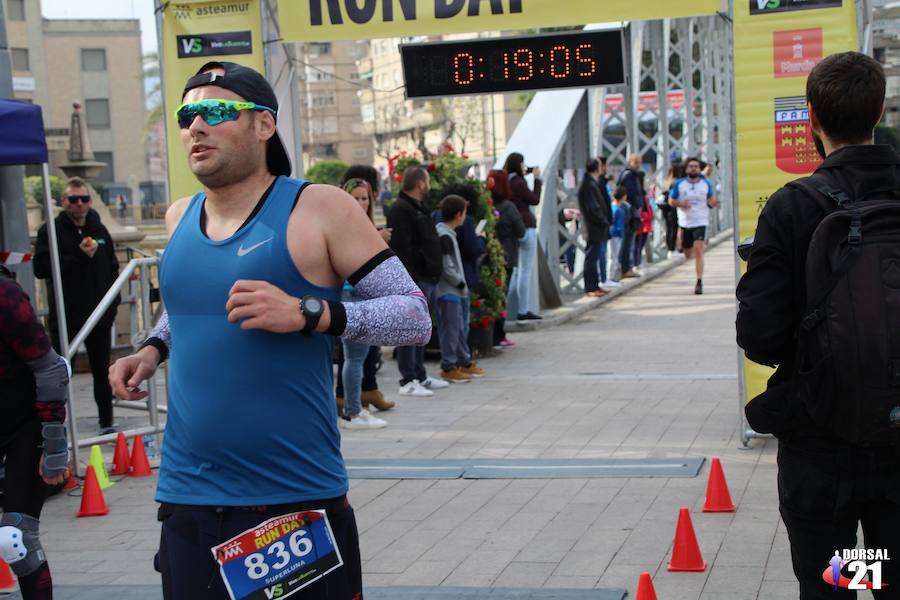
(34, 187)
(488, 300)
(327, 171)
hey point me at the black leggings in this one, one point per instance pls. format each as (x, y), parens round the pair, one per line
(23, 489)
(189, 571)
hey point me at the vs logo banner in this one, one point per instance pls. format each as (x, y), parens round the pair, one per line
(214, 44)
(762, 7)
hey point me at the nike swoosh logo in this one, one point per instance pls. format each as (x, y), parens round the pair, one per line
(245, 251)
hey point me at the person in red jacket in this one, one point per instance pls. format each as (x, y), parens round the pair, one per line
(33, 442)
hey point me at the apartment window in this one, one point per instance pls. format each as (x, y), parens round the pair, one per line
(323, 100)
(93, 59)
(320, 48)
(367, 113)
(320, 73)
(97, 112)
(108, 172)
(20, 59)
(15, 10)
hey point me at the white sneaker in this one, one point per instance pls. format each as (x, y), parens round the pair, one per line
(364, 420)
(434, 384)
(609, 283)
(414, 388)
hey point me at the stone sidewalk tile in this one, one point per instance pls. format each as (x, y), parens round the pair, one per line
(426, 572)
(525, 574)
(738, 582)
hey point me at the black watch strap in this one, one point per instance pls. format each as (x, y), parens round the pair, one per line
(312, 319)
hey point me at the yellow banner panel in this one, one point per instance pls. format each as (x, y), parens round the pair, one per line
(327, 20)
(776, 45)
(195, 33)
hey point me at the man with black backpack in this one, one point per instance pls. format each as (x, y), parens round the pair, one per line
(821, 300)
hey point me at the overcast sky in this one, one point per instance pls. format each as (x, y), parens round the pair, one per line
(107, 9)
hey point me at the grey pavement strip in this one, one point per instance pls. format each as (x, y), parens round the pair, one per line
(153, 592)
(606, 376)
(541, 468)
(476, 593)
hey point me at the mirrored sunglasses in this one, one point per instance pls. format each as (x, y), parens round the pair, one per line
(214, 111)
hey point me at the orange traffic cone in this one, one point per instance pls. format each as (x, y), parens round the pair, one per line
(140, 466)
(71, 483)
(121, 462)
(92, 502)
(685, 550)
(6, 579)
(717, 497)
(645, 589)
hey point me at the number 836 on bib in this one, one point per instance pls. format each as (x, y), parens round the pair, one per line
(278, 557)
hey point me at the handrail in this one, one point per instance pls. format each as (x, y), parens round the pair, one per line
(107, 301)
(69, 350)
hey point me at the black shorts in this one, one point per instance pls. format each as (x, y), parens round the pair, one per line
(190, 573)
(689, 235)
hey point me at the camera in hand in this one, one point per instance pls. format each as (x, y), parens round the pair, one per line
(529, 170)
(895, 417)
(745, 248)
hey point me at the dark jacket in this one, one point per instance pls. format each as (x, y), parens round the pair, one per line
(85, 280)
(414, 239)
(509, 229)
(631, 181)
(595, 210)
(772, 293)
(523, 198)
(471, 247)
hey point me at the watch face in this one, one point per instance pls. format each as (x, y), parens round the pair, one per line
(313, 305)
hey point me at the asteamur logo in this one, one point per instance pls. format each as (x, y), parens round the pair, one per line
(187, 11)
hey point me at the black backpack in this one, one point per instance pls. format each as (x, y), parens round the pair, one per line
(848, 363)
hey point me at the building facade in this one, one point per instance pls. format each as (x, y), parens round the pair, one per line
(477, 125)
(330, 103)
(95, 62)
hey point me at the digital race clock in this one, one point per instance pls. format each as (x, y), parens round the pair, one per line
(557, 60)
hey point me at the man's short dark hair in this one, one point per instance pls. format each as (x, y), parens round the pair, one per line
(620, 192)
(592, 165)
(412, 176)
(469, 194)
(74, 182)
(846, 91)
(602, 160)
(693, 159)
(451, 206)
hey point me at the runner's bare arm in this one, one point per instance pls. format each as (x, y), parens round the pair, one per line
(331, 240)
(126, 374)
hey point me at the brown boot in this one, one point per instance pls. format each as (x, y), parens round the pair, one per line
(340, 404)
(376, 399)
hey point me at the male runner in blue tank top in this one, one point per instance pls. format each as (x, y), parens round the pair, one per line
(251, 279)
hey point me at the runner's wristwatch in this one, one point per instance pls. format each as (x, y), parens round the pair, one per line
(312, 308)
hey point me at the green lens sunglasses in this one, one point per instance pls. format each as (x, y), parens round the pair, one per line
(214, 111)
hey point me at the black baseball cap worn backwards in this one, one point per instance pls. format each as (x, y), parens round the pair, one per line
(253, 87)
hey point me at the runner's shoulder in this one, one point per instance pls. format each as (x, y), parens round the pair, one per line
(175, 212)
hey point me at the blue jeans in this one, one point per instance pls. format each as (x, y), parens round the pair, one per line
(454, 352)
(354, 356)
(601, 260)
(625, 252)
(524, 273)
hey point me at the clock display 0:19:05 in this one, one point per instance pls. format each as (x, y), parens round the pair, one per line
(511, 64)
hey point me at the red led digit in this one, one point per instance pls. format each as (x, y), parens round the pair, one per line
(554, 58)
(506, 65)
(588, 61)
(469, 61)
(528, 64)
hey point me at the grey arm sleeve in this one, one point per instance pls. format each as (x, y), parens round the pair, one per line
(51, 377)
(391, 309)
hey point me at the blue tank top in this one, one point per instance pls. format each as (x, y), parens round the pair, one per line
(252, 418)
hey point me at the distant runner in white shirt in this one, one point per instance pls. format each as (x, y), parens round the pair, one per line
(693, 196)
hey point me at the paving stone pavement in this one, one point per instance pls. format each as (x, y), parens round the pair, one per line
(650, 374)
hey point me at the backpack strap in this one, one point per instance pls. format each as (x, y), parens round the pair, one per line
(828, 197)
